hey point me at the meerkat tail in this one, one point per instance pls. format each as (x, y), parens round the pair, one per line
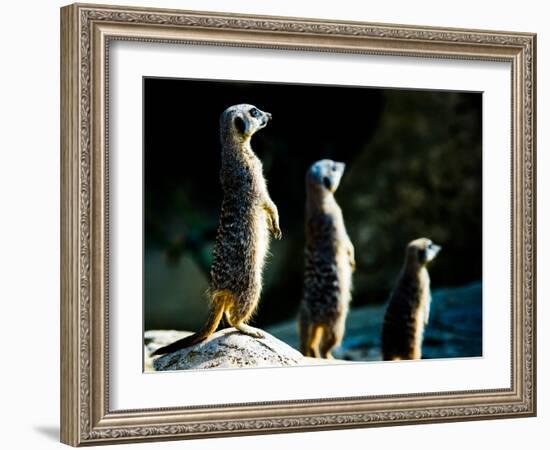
(214, 318)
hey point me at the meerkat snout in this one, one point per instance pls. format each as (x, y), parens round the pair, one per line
(326, 174)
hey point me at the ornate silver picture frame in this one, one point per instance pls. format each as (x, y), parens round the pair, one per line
(87, 32)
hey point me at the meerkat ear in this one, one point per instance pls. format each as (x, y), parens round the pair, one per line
(239, 123)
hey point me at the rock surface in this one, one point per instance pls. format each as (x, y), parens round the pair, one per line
(454, 330)
(225, 349)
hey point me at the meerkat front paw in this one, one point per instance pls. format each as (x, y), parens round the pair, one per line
(273, 219)
(273, 225)
(351, 254)
(276, 231)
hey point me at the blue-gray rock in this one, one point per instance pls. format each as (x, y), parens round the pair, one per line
(454, 329)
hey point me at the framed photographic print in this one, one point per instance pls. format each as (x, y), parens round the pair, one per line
(335, 220)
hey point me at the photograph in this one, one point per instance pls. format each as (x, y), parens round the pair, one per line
(299, 224)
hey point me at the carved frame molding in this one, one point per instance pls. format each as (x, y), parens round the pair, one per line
(86, 31)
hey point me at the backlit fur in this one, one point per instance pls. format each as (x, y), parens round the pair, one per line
(408, 309)
(248, 217)
(329, 263)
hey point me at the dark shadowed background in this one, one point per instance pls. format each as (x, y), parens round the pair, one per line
(414, 169)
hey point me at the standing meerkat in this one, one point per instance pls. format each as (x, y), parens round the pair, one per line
(248, 216)
(408, 308)
(329, 263)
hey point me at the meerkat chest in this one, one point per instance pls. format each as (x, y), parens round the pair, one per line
(244, 189)
(327, 242)
(242, 184)
(424, 286)
(424, 299)
(339, 238)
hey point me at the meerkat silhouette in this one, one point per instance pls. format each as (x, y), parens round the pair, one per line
(329, 263)
(408, 309)
(248, 216)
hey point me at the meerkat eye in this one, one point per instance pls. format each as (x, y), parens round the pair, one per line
(254, 112)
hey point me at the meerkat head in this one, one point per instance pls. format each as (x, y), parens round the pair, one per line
(325, 174)
(242, 121)
(422, 251)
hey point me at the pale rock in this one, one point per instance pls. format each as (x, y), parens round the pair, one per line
(225, 349)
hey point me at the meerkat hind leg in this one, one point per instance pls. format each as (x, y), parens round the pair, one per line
(227, 321)
(243, 327)
(327, 344)
(310, 341)
(305, 339)
(416, 353)
(332, 337)
(250, 331)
